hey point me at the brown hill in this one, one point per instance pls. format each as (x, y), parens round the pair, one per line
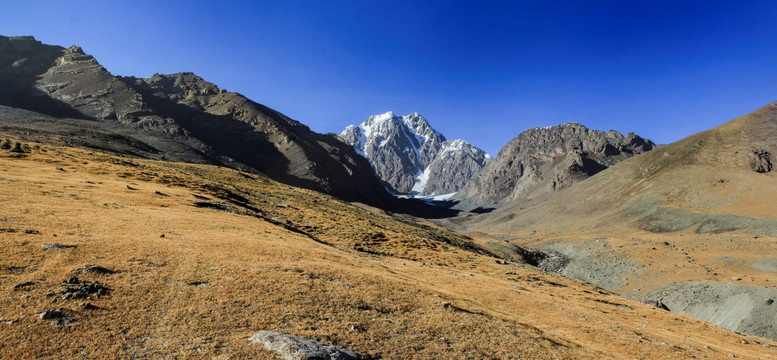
(692, 222)
(151, 259)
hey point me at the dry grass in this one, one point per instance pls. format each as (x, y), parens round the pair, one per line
(271, 257)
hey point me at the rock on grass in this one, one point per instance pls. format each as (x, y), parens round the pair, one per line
(58, 317)
(290, 347)
(74, 288)
(56, 246)
(94, 269)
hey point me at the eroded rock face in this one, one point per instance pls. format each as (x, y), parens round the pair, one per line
(410, 156)
(540, 160)
(290, 347)
(456, 163)
(760, 161)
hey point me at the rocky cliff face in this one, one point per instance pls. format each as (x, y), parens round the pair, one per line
(540, 160)
(455, 163)
(224, 127)
(410, 157)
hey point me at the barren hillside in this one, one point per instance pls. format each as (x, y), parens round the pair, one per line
(692, 222)
(170, 260)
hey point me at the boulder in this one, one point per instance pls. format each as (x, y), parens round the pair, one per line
(760, 161)
(290, 347)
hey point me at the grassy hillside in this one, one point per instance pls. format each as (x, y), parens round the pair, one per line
(689, 214)
(201, 257)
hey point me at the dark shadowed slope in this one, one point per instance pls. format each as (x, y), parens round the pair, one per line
(211, 124)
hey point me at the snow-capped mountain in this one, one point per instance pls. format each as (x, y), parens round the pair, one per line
(413, 158)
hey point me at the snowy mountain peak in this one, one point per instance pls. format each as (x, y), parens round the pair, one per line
(412, 157)
(389, 115)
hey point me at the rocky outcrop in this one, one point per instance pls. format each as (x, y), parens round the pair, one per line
(760, 161)
(210, 124)
(410, 157)
(290, 347)
(455, 163)
(540, 160)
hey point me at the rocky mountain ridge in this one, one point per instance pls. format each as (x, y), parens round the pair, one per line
(540, 160)
(410, 157)
(211, 124)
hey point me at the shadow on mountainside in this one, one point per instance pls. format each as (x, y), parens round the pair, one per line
(19, 71)
(227, 136)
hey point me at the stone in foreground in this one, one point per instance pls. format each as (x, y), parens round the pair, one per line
(290, 347)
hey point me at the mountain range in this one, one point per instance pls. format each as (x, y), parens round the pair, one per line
(178, 117)
(168, 198)
(410, 157)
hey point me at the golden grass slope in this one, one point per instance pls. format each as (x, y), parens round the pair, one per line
(205, 257)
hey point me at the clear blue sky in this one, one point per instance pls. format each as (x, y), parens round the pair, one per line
(479, 70)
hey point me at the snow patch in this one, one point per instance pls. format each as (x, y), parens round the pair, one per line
(553, 126)
(430, 199)
(420, 181)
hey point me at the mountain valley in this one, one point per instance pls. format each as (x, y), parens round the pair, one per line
(165, 217)
(198, 258)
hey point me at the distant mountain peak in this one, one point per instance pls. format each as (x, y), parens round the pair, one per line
(543, 159)
(411, 157)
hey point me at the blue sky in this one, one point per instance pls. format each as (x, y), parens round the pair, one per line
(479, 70)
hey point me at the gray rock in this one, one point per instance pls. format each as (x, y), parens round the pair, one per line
(64, 321)
(73, 288)
(89, 306)
(290, 347)
(541, 160)
(58, 317)
(56, 246)
(94, 269)
(23, 285)
(50, 314)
